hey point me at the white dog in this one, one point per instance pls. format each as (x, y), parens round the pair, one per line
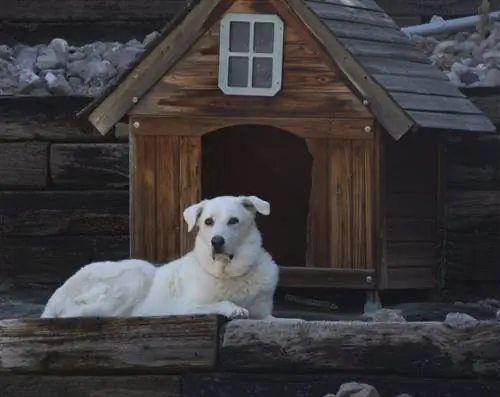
(228, 272)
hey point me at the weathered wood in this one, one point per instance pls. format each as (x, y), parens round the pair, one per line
(143, 196)
(156, 64)
(407, 278)
(51, 213)
(190, 150)
(24, 164)
(432, 103)
(397, 52)
(318, 242)
(138, 345)
(377, 65)
(35, 128)
(90, 165)
(414, 348)
(331, 11)
(57, 10)
(303, 127)
(412, 254)
(54, 259)
(362, 206)
(90, 386)
(168, 215)
(404, 229)
(370, 5)
(353, 30)
(473, 211)
(327, 277)
(341, 203)
(417, 85)
(457, 122)
(308, 385)
(473, 256)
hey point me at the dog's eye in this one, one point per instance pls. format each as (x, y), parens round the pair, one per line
(209, 221)
(233, 221)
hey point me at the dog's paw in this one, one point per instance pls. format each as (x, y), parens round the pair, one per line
(232, 311)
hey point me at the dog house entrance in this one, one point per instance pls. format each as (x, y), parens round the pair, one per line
(272, 164)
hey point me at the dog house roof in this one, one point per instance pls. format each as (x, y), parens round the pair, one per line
(394, 78)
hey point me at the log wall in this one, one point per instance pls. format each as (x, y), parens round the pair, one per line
(63, 192)
(204, 356)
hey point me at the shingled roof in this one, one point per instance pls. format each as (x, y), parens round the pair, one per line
(403, 89)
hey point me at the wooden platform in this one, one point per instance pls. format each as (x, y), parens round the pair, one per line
(207, 356)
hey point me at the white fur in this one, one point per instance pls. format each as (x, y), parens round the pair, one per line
(201, 282)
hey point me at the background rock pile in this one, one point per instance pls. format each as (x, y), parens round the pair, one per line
(466, 58)
(62, 69)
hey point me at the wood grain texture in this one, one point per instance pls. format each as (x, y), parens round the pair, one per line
(341, 203)
(308, 385)
(90, 165)
(318, 242)
(362, 206)
(168, 216)
(105, 345)
(143, 197)
(377, 65)
(189, 185)
(24, 164)
(53, 259)
(453, 122)
(90, 386)
(43, 128)
(414, 348)
(191, 87)
(327, 277)
(50, 213)
(303, 127)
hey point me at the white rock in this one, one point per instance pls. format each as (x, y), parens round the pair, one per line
(460, 320)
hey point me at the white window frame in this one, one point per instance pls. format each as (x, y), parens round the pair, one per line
(276, 55)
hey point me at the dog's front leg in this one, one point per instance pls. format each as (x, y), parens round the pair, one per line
(225, 308)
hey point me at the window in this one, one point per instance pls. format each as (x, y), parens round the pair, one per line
(250, 54)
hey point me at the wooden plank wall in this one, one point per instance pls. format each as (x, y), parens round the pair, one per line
(63, 194)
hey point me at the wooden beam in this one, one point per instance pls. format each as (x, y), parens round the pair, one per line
(414, 348)
(104, 345)
(90, 386)
(156, 64)
(318, 277)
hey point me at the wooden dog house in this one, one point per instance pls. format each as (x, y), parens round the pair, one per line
(323, 107)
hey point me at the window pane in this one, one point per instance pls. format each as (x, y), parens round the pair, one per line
(263, 37)
(239, 37)
(262, 73)
(237, 72)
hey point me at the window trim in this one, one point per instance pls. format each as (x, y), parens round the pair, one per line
(276, 55)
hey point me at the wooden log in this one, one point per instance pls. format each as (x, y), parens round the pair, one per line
(78, 10)
(23, 164)
(90, 386)
(50, 213)
(91, 166)
(473, 256)
(420, 348)
(473, 163)
(473, 211)
(106, 345)
(54, 259)
(303, 385)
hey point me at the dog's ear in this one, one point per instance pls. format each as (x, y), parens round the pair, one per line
(192, 213)
(255, 203)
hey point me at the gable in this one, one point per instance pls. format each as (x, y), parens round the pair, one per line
(310, 87)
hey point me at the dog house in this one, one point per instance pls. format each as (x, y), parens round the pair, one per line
(324, 108)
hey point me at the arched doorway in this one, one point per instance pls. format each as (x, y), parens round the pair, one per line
(270, 163)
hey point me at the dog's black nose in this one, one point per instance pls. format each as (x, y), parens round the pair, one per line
(218, 241)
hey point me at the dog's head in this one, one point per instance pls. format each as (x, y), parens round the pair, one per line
(226, 228)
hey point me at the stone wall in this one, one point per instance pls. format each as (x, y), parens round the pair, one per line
(63, 191)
